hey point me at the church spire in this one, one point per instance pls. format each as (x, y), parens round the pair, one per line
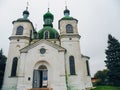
(66, 11)
(48, 18)
(65, 4)
(48, 6)
(27, 5)
(26, 12)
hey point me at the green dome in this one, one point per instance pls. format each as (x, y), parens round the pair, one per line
(66, 12)
(26, 12)
(67, 15)
(48, 33)
(48, 19)
(48, 15)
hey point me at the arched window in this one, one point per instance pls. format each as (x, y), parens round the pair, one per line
(19, 30)
(72, 65)
(14, 66)
(69, 28)
(56, 35)
(46, 34)
(42, 67)
(31, 35)
(88, 70)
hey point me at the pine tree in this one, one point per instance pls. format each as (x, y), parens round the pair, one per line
(2, 66)
(113, 60)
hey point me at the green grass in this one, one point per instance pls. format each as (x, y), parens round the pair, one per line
(106, 88)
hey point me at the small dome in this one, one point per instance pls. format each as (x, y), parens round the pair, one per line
(26, 12)
(67, 15)
(48, 15)
(48, 33)
(48, 19)
(66, 11)
(24, 18)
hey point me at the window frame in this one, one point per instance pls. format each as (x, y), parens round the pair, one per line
(69, 28)
(87, 67)
(56, 35)
(46, 37)
(19, 30)
(72, 65)
(14, 67)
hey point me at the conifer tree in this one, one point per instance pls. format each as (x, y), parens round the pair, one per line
(113, 60)
(2, 66)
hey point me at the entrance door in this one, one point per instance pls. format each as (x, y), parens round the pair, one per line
(40, 77)
(36, 79)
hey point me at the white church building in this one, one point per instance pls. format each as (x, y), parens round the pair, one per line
(47, 59)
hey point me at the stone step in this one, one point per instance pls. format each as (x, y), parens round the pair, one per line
(40, 89)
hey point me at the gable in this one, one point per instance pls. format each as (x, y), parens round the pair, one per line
(51, 44)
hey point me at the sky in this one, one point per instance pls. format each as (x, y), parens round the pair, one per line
(96, 19)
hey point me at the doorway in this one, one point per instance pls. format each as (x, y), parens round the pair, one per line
(40, 77)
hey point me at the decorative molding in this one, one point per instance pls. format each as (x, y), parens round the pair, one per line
(59, 48)
(70, 35)
(19, 37)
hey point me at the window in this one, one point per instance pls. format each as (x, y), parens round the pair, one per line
(42, 67)
(72, 65)
(46, 34)
(19, 30)
(31, 34)
(42, 50)
(69, 28)
(14, 66)
(56, 35)
(87, 65)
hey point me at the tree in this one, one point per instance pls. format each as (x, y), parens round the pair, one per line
(101, 77)
(113, 60)
(2, 66)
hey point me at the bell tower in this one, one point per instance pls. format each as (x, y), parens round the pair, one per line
(70, 40)
(68, 24)
(20, 38)
(68, 30)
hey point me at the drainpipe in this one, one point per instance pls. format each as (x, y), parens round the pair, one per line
(66, 74)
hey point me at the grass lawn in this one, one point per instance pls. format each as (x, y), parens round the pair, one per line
(106, 88)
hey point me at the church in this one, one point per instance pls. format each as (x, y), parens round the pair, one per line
(46, 59)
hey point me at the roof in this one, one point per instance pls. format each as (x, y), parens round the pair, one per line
(52, 33)
(27, 48)
(67, 15)
(68, 18)
(48, 15)
(22, 20)
(83, 56)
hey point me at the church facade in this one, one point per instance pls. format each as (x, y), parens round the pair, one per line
(46, 60)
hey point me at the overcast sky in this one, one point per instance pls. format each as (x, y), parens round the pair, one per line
(97, 19)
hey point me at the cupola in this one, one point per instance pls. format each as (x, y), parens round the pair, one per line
(48, 32)
(67, 16)
(66, 12)
(25, 14)
(48, 19)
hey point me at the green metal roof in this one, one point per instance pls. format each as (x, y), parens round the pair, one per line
(48, 26)
(48, 15)
(67, 18)
(53, 34)
(25, 17)
(67, 15)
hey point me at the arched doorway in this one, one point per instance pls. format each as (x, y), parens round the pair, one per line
(40, 77)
